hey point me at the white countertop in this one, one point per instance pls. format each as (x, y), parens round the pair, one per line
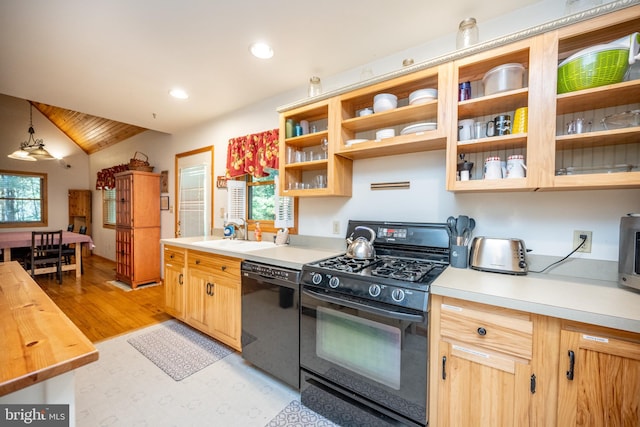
(596, 302)
(283, 256)
(590, 301)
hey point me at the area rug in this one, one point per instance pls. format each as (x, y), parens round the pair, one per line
(127, 288)
(298, 415)
(179, 350)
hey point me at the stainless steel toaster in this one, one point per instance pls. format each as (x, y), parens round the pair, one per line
(498, 255)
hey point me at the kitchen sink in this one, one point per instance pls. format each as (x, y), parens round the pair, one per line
(235, 245)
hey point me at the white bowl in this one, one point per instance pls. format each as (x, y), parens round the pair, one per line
(384, 102)
(385, 133)
(365, 112)
(422, 95)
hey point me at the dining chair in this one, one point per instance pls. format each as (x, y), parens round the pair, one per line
(46, 251)
(68, 250)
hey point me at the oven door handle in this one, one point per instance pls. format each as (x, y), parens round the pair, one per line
(364, 307)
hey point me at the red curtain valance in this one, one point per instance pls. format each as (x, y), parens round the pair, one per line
(106, 179)
(252, 154)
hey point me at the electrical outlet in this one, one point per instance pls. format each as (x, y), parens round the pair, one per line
(336, 227)
(586, 246)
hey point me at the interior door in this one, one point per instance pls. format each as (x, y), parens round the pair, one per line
(194, 193)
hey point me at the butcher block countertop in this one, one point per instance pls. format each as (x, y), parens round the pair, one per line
(38, 341)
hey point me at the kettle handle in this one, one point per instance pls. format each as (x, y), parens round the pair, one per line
(373, 233)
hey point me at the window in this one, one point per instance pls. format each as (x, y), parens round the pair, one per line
(261, 203)
(23, 199)
(109, 208)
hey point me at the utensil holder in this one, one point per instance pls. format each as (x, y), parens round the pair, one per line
(459, 256)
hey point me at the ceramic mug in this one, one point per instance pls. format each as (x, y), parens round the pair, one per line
(493, 168)
(503, 124)
(515, 166)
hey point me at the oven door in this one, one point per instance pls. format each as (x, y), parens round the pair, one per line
(363, 352)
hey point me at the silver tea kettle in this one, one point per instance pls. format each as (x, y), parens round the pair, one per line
(361, 248)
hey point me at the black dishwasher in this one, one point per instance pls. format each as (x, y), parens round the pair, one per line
(270, 322)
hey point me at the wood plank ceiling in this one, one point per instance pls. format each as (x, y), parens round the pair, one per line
(90, 133)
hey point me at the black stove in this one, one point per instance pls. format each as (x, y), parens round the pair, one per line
(409, 257)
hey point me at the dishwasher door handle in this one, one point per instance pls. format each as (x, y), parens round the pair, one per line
(365, 307)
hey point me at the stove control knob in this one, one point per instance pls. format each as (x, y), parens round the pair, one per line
(374, 290)
(334, 282)
(397, 295)
(316, 278)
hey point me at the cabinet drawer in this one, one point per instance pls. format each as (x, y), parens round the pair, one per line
(501, 332)
(173, 255)
(221, 266)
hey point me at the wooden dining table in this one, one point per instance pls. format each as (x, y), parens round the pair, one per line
(22, 239)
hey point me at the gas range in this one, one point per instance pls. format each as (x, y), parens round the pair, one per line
(409, 257)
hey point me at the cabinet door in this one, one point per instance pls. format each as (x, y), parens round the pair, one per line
(199, 298)
(478, 388)
(599, 382)
(123, 200)
(174, 282)
(226, 313)
(124, 257)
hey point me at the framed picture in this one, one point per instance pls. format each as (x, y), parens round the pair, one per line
(164, 181)
(164, 203)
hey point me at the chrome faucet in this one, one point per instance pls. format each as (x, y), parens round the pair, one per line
(238, 226)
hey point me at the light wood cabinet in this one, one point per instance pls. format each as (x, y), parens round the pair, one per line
(174, 281)
(555, 160)
(599, 378)
(483, 357)
(594, 159)
(481, 108)
(137, 227)
(80, 214)
(297, 175)
(213, 296)
(433, 111)
(495, 366)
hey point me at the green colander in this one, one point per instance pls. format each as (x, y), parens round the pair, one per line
(593, 70)
(598, 65)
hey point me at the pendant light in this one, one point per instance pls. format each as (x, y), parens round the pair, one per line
(32, 149)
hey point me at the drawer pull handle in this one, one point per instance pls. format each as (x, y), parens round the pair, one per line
(224, 268)
(181, 279)
(572, 362)
(210, 290)
(444, 367)
(171, 256)
(482, 331)
(533, 384)
(197, 262)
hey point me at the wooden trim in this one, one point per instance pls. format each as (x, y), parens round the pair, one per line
(44, 205)
(176, 183)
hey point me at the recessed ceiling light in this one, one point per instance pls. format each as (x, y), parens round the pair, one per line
(261, 50)
(179, 93)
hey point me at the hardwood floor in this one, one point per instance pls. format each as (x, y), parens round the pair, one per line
(101, 310)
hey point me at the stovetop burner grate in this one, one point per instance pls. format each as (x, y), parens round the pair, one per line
(344, 263)
(410, 270)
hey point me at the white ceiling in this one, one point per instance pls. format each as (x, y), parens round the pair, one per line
(118, 59)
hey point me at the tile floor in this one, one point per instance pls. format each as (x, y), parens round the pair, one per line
(124, 388)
